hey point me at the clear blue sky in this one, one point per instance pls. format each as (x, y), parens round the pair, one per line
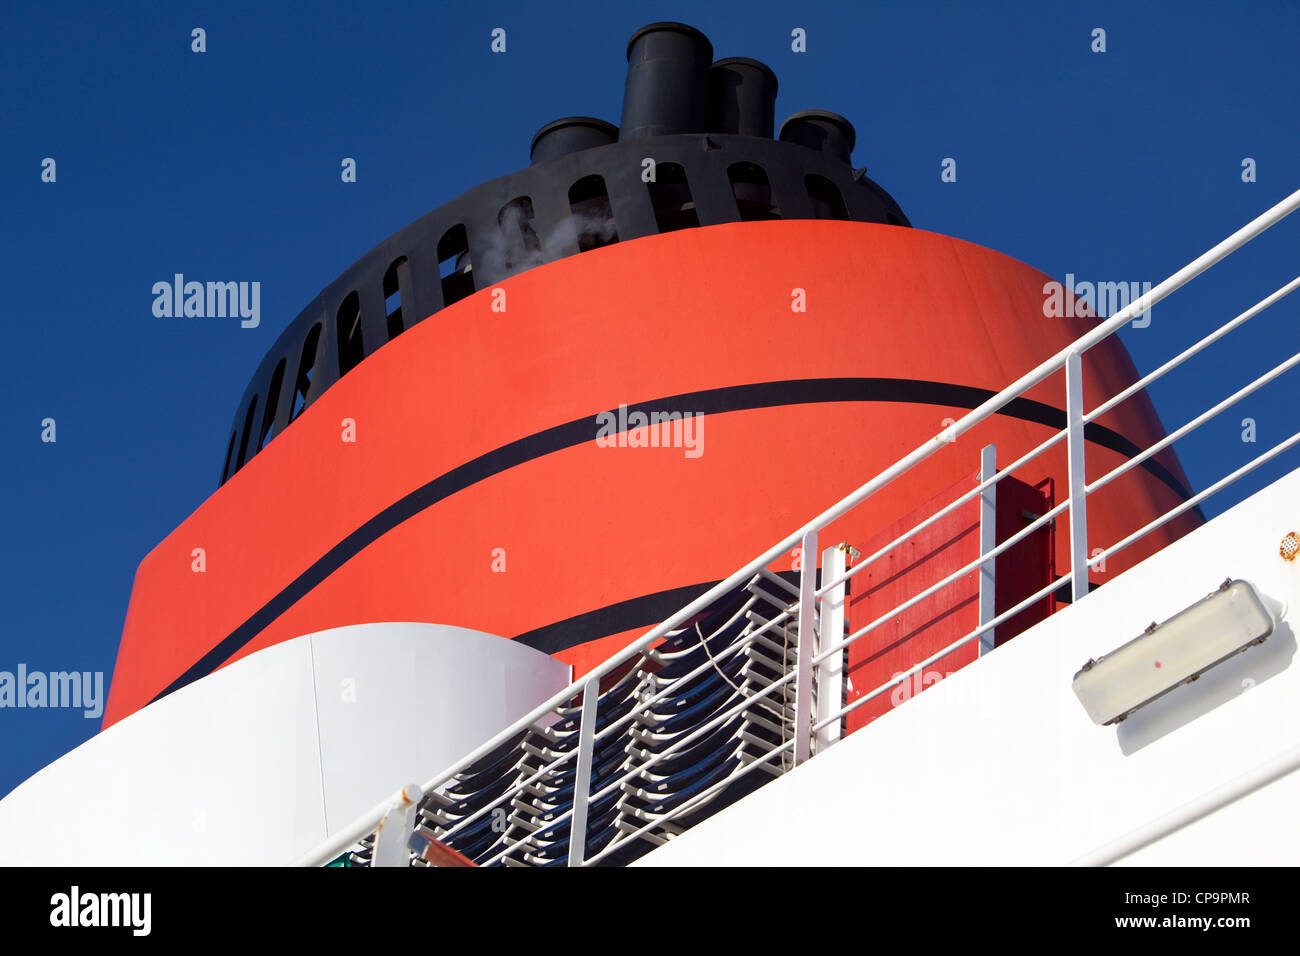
(225, 165)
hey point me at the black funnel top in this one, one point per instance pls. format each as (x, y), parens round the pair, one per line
(695, 149)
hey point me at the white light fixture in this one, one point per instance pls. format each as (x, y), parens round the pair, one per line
(1226, 622)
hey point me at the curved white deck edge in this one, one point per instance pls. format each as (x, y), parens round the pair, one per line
(259, 761)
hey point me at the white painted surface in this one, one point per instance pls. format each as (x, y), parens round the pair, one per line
(261, 760)
(1008, 735)
(424, 696)
(1235, 836)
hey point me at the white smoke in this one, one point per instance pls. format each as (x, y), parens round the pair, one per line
(515, 246)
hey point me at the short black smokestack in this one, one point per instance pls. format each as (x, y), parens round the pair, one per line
(742, 96)
(821, 130)
(667, 81)
(570, 135)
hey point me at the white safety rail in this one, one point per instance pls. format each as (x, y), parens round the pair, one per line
(620, 755)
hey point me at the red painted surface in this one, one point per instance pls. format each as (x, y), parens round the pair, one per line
(902, 641)
(587, 527)
(1025, 568)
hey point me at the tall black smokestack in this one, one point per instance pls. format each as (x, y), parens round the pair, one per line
(667, 81)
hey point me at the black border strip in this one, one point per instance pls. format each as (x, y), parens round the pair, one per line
(712, 401)
(644, 611)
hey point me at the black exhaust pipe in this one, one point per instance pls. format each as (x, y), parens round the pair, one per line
(667, 82)
(820, 130)
(571, 134)
(742, 97)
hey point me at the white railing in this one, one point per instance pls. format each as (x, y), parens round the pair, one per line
(816, 664)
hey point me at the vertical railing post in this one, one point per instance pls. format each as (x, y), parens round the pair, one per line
(582, 783)
(830, 672)
(988, 541)
(393, 835)
(807, 639)
(1078, 475)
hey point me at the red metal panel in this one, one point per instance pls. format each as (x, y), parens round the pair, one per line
(1029, 566)
(923, 560)
(908, 638)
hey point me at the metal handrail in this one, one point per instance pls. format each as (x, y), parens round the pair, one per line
(939, 655)
(1125, 467)
(946, 510)
(1192, 350)
(828, 586)
(349, 836)
(715, 721)
(950, 579)
(641, 707)
(1195, 500)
